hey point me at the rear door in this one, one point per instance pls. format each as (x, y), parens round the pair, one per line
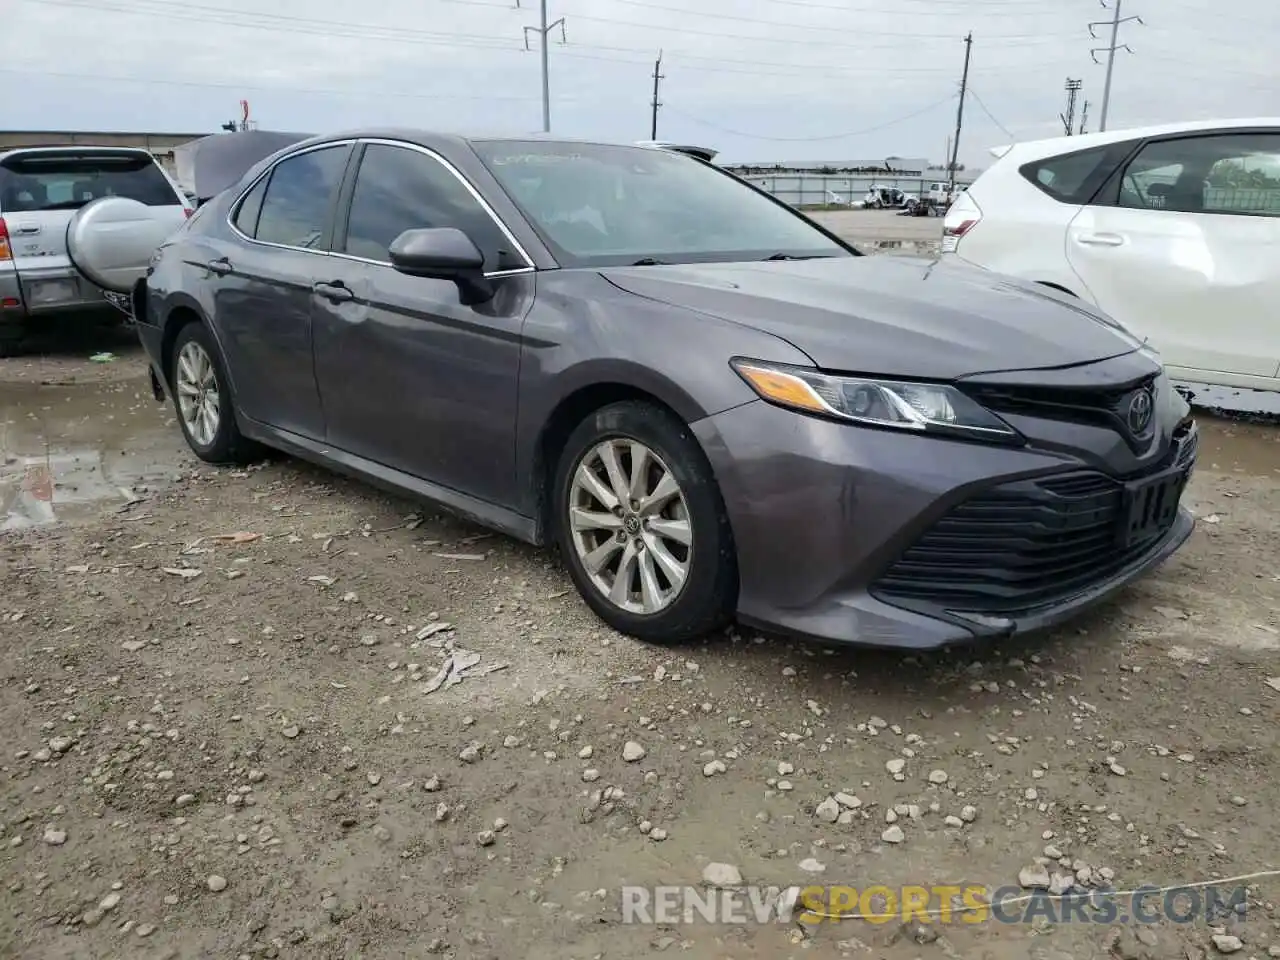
(1183, 246)
(262, 281)
(40, 191)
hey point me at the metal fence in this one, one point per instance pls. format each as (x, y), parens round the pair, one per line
(805, 190)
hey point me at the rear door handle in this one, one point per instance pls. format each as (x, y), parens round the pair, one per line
(1100, 239)
(221, 266)
(27, 229)
(336, 291)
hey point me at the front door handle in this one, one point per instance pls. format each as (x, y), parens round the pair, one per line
(337, 291)
(1100, 239)
(221, 266)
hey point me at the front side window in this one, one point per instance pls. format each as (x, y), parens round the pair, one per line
(597, 205)
(299, 197)
(399, 189)
(1224, 174)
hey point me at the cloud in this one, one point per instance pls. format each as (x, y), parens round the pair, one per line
(839, 80)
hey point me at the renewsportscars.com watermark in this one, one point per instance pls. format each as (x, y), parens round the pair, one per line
(971, 904)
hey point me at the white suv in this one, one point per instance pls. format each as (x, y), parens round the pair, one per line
(41, 188)
(1174, 231)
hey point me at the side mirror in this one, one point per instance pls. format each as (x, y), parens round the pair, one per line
(111, 240)
(445, 253)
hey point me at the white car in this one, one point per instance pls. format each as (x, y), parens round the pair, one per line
(1173, 230)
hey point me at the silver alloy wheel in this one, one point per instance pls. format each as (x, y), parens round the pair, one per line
(198, 399)
(630, 526)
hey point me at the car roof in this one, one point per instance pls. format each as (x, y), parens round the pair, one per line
(55, 149)
(1084, 141)
(437, 140)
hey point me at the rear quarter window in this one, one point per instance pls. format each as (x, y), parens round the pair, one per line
(1074, 177)
(35, 182)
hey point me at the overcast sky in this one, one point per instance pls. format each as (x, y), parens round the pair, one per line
(839, 80)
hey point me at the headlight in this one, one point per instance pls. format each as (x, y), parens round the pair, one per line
(924, 407)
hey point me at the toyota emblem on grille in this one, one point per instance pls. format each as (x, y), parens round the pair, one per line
(1138, 416)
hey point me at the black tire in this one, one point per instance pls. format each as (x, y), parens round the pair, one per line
(709, 595)
(228, 444)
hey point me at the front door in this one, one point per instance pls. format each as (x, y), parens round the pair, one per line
(1187, 252)
(410, 376)
(263, 288)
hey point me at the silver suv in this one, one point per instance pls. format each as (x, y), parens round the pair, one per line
(41, 188)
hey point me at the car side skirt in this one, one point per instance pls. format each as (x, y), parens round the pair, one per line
(387, 478)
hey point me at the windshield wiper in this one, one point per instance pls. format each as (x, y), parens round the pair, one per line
(649, 262)
(790, 256)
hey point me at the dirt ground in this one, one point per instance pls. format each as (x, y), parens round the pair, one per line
(223, 740)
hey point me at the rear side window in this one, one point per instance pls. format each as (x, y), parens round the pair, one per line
(1071, 177)
(299, 198)
(246, 218)
(57, 180)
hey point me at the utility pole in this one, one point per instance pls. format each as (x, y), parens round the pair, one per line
(657, 75)
(543, 30)
(1110, 49)
(1069, 118)
(955, 144)
(1084, 117)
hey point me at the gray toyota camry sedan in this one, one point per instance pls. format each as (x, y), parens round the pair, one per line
(713, 406)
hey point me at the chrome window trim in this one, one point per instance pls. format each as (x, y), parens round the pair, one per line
(235, 207)
(417, 148)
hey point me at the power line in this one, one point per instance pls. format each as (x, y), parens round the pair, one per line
(844, 8)
(825, 137)
(1111, 48)
(912, 35)
(822, 28)
(293, 25)
(347, 92)
(299, 25)
(990, 116)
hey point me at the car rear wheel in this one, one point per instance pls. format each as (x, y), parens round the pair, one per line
(203, 400)
(642, 527)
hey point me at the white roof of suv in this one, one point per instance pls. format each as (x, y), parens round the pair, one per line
(1031, 148)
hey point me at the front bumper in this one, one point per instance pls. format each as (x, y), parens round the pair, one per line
(822, 511)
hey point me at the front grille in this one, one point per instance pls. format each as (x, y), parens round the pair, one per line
(1018, 547)
(1106, 408)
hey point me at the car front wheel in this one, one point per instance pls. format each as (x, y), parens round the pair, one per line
(642, 526)
(203, 400)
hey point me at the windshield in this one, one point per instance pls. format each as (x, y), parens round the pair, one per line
(597, 205)
(40, 180)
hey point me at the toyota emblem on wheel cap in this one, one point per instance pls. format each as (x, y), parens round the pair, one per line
(1138, 416)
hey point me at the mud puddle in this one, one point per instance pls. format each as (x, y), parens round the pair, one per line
(71, 452)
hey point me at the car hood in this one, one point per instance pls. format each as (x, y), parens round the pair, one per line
(893, 316)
